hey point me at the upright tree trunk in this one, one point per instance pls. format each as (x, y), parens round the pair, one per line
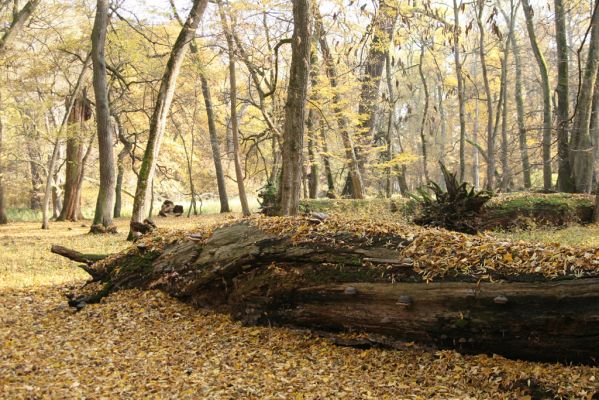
(547, 123)
(239, 175)
(506, 178)
(326, 160)
(3, 217)
(460, 81)
(218, 166)
(105, 203)
(581, 147)
(518, 93)
(293, 132)
(564, 174)
(161, 110)
(313, 176)
(37, 179)
(489, 99)
(382, 34)
(424, 115)
(71, 210)
(125, 151)
(443, 136)
(355, 174)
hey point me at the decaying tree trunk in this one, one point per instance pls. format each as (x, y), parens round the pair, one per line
(356, 277)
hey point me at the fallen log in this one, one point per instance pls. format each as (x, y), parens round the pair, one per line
(447, 290)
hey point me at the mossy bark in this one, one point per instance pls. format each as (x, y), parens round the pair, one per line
(345, 281)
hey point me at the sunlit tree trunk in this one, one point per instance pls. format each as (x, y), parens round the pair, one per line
(293, 131)
(312, 124)
(161, 110)
(581, 147)
(564, 174)
(547, 123)
(105, 202)
(460, 81)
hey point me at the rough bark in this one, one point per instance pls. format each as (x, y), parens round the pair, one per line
(345, 281)
(164, 99)
(105, 202)
(355, 175)
(239, 175)
(293, 130)
(564, 174)
(581, 147)
(542, 64)
(518, 93)
(125, 151)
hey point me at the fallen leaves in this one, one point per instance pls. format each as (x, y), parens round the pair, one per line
(146, 345)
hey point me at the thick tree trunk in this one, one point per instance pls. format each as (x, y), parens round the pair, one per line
(581, 147)
(105, 203)
(214, 145)
(164, 99)
(293, 131)
(80, 112)
(518, 93)
(564, 174)
(325, 277)
(355, 175)
(547, 123)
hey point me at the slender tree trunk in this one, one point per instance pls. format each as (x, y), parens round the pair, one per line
(443, 136)
(37, 180)
(105, 203)
(245, 209)
(214, 145)
(161, 110)
(331, 72)
(547, 123)
(506, 178)
(326, 160)
(475, 155)
(313, 176)
(49, 178)
(581, 147)
(3, 217)
(293, 132)
(390, 126)
(460, 81)
(518, 93)
(564, 174)
(424, 115)
(489, 99)
(125, 151)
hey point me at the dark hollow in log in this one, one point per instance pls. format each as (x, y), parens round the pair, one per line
(346, 281)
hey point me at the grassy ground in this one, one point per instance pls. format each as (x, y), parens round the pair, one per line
(145, 345)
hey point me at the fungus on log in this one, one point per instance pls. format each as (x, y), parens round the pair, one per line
(448, 290)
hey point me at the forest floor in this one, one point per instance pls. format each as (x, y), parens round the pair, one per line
(146, 345)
